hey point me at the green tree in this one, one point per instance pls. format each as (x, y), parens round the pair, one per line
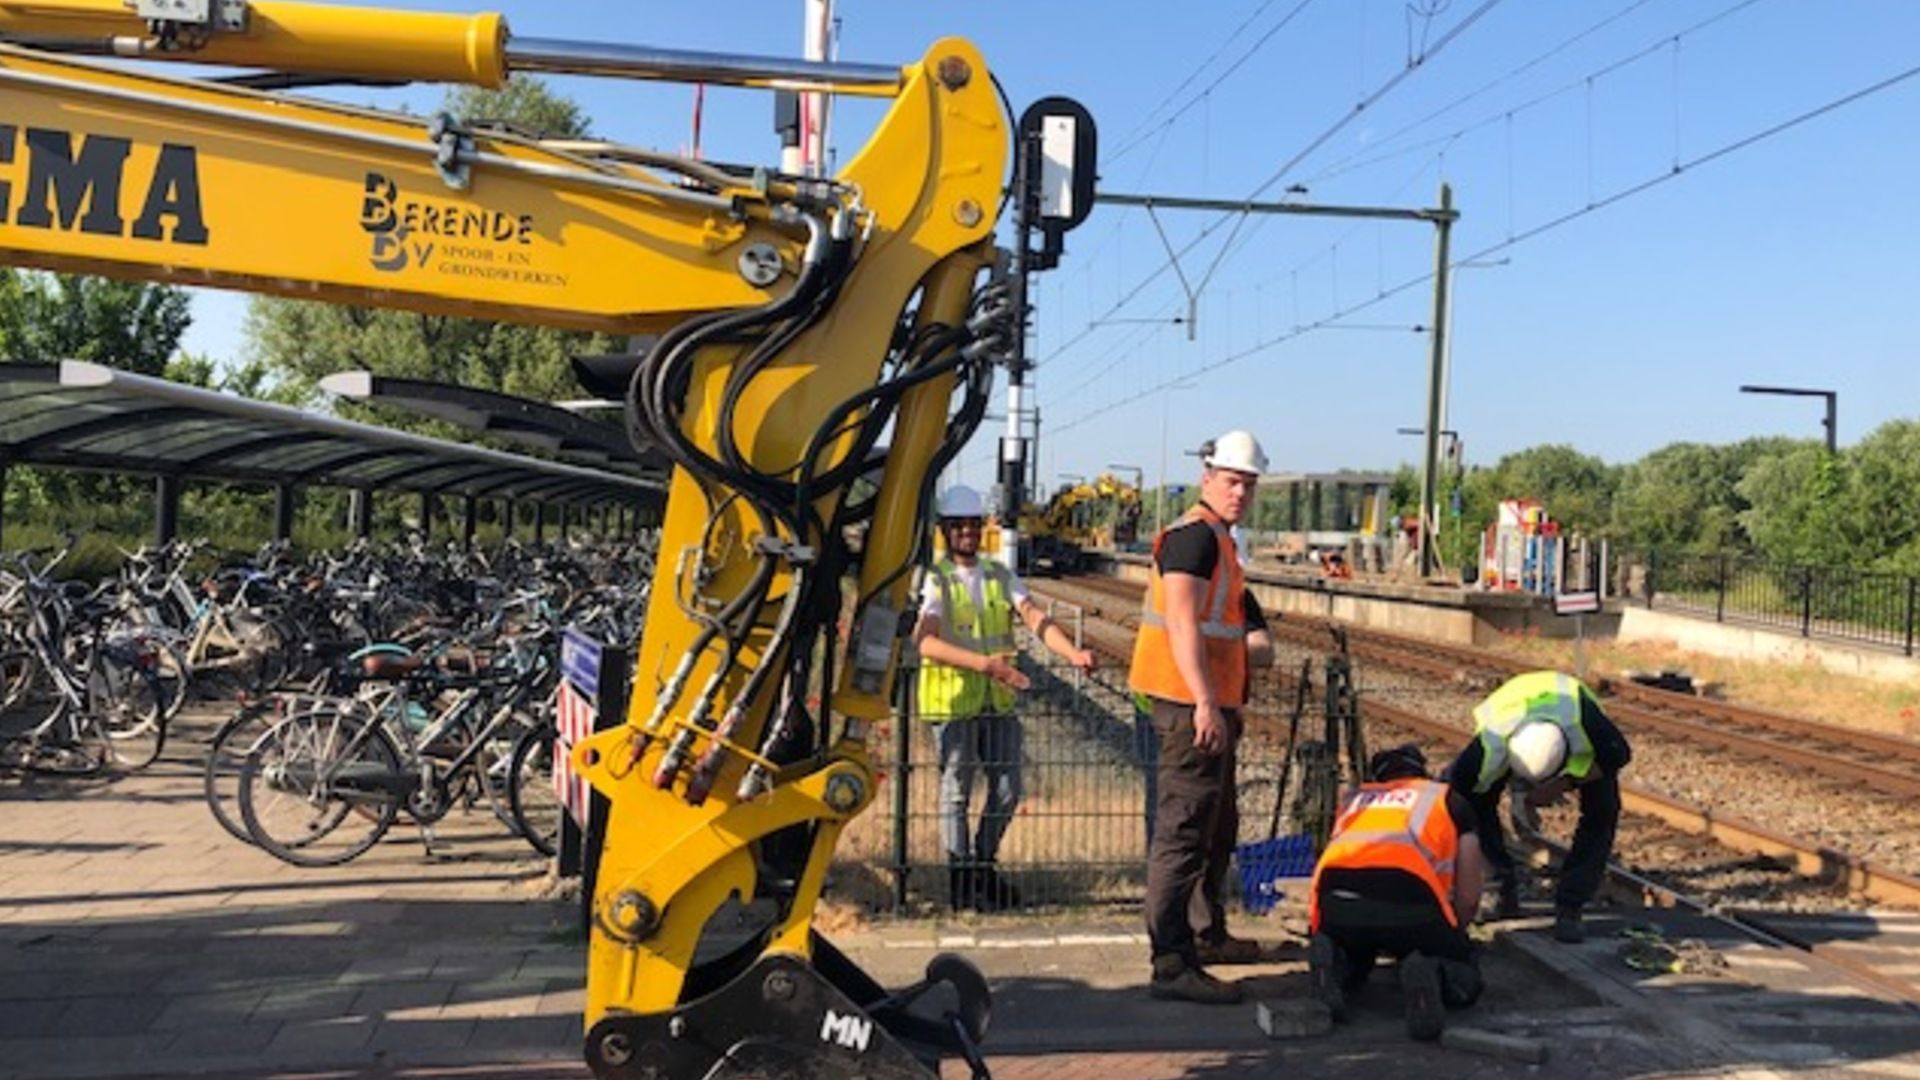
(293, 344)
(1796, 507)
(123, 324)
(1883, 504)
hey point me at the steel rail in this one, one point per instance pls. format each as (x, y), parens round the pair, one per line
(1822, 864)
(1664, 711)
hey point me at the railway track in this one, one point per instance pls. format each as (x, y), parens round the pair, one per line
(1884, 763)
(1109, 630)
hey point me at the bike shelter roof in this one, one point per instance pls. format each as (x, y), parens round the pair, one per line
(78, 414)
(565, 434)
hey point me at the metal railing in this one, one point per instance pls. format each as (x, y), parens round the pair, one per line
(1077, 836)
(1827, 602)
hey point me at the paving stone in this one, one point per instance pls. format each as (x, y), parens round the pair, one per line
(29, 1018)
(561, 1034)
(309, 1002)
(519, 998)
(321, 1038)
(214, 1040)
(1297, 1018)
(198, 1011)
(418, 999)
(418, 1034)
(100, 1015)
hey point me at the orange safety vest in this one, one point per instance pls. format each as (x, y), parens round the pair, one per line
(1223, 626)
(1398, 825)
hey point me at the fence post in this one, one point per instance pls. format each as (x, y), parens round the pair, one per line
(1653, 564)
(1079, 642)
(1913, 592)
(1720, 605)
(1806, 602)
(902, 777)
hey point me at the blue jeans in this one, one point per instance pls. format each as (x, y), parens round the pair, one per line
(987, 742)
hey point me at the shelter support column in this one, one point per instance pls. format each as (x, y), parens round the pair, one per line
(539, 523)
(469, 521)
(426, 515)
(360, 512)
(285, 501)
(166, 509)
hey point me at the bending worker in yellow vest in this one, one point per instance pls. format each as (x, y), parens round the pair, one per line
(966, 688)
(1401, 877)
(1190, 660)
(1548, 731)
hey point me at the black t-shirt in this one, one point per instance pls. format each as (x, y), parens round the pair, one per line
(1390, 886)
(1191, 548)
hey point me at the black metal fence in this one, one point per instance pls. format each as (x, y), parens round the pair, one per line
(1836, 603)
(1077, 836)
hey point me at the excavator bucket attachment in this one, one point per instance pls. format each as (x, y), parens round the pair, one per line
(785, 1019)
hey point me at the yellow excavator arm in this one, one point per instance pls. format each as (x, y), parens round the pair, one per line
(796, 322)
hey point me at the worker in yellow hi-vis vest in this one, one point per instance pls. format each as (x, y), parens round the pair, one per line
(968, 679)
(1548, 730)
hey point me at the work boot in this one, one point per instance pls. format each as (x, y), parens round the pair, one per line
(1420, 985)
(1567, 927)
(1228, 949)
(993, 892)
(1508, 906)
(1460, 983)
(1327, 964)
(1176, 980)
(962, 892)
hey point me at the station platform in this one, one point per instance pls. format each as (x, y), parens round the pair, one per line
(1449, 613)
(138, 939)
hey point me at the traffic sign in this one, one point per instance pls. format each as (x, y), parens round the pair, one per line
(1576, 603)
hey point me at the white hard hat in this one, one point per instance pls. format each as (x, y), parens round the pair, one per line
(1538, 750)
(962, 501)
(1238, 451)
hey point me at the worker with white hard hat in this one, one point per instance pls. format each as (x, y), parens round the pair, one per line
(1547, 731)
(1190, 661)
(966, 688)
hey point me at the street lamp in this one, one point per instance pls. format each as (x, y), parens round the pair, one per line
(1139, 474)
(1833, 406)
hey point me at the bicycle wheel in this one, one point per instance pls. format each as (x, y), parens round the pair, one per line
(173, 673)
(27, 694)
(536, 809)
(226, 755)
(73, 744)
(320, 788)
(125, 695)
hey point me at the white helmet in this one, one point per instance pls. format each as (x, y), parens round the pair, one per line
(1237, 451)
(1537, 750)
(961, 501)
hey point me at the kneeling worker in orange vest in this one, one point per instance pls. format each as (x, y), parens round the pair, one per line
(1401, 877)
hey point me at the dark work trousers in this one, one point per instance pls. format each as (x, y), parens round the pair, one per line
(1367, 930)
(1194, 829)
(1586, 863)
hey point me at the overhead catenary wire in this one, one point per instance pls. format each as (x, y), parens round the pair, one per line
(1541, 229)
(1142, 131)
(1374, 155)
(1453, 33)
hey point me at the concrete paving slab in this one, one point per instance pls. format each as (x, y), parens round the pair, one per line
(230, 964)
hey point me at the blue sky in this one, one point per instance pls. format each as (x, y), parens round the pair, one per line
(1790, 261)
